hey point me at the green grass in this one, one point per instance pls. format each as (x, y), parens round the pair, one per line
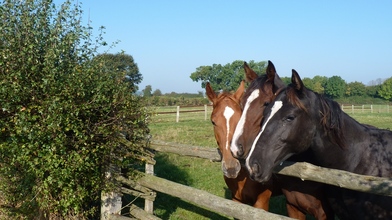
(202, 174)
(380, 120)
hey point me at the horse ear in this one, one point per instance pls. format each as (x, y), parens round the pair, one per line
(240, 91)
(250, 75)
(271, 71)
(273, 76)
(296, 81)
(210, 92)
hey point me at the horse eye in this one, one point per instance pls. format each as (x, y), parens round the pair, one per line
(266, 103)
(290, 118)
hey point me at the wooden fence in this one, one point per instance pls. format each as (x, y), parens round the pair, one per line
(366, 108)
(178, 113)
(146, 185)
(183, 111)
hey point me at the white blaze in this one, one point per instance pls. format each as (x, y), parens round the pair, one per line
(228, 113)
(277, 105)
(240, 126)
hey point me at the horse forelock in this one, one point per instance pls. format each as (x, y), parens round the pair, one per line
(258, 83)
(225, 96)
(294, 98)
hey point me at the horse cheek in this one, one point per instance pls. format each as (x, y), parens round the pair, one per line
(306, 139)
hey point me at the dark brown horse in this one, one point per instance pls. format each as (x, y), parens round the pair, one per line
(224, 117)
(308, 197)
(299, 122)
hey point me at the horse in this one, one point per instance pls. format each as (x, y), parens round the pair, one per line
(302, 197)
(301, 121)
(224, 117)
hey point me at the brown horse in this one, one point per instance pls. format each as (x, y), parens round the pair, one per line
(301, 196)
(225, 115)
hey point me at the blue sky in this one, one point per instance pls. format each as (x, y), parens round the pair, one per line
(170, 39)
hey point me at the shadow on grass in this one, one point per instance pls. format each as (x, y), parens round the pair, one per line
(166, 206)
(172, 168)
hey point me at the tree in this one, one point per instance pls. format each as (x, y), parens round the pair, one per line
(355, 89)
(319, 83)
(147, 91)
(308, 83)
(226, 77)
(157, 92)
(124, 64)
(63, 117)
(318, 87)
(385, 90)
(335, 87)
(372, 91)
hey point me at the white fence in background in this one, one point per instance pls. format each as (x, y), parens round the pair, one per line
(183, 112)
(366, 108)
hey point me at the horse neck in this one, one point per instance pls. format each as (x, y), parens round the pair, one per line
(363, 152)
(331, 144)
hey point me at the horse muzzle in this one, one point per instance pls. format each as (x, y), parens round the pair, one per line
(256, 173)
(231, 170)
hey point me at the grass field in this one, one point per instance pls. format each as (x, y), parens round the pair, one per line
(193, 129)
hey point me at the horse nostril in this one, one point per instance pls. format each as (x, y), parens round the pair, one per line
(255, 168)
(240, 151)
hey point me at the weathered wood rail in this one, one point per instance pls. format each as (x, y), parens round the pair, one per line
(202, 198)
(305, 171)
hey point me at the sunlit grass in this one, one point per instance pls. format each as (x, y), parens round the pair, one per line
(380, 120)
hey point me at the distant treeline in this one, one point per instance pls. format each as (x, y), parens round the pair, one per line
(175, 99)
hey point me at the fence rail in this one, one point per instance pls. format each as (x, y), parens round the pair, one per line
(202, 198)
(366, 108)
(304, 171)
(179, 111)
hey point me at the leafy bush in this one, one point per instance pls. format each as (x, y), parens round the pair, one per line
(62, 117)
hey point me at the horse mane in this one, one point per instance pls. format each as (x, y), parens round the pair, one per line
(331, 119)
(330, 112)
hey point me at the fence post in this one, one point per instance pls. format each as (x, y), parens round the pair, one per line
(110, 201)
(178, 114)
(205, 112)
(363, 108)
(148, 204)
(352, 109)
(371, 108)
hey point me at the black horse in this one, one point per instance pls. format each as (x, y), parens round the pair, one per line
(302, 122)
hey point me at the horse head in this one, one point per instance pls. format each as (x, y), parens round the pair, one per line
(224, 117)
(258, 95)
(288, 128)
